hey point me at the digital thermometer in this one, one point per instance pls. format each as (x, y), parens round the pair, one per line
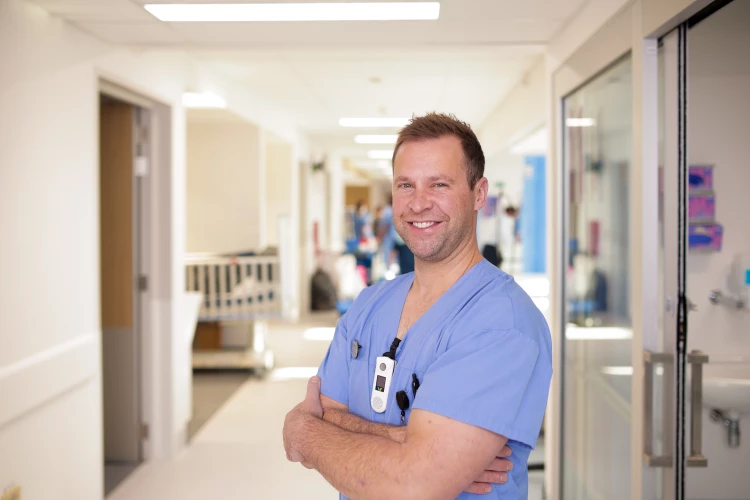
(381, 383)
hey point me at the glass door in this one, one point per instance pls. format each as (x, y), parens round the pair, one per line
(597, 344)
(705, 110)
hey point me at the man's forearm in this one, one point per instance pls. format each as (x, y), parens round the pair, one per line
(360, 465)
(353, 423)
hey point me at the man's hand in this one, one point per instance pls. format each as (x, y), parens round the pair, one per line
(295, 420)
(496, 473)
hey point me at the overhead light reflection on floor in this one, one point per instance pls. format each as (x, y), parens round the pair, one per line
(542, 303)
(293, 373)
(573, 332)
(627, 371)
(323, 333)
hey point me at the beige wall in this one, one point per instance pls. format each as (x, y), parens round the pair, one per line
(661, 15)
(223, 186)
(279, 166)
(522, 111)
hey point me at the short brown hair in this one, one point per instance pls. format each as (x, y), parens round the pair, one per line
(437, 125)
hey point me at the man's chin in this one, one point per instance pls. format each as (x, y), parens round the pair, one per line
(429, 256)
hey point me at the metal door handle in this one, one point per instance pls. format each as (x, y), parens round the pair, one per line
(650, 359)
(696, 458)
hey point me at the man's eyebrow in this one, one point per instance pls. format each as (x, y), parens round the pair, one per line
(433, 178)
(443, 178)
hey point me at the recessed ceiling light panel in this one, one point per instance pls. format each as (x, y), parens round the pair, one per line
(260, 12)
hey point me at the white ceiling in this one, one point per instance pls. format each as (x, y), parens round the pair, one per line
(464, 63)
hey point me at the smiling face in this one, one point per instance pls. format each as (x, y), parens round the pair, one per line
(434, 209)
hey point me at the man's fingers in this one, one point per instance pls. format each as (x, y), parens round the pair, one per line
(492, 477)
(479, 488)
(313, 387)
(312, 400)
(294, 456)
(500, 465)
(505, 452)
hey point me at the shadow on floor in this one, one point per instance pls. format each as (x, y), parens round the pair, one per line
(114, 474)
(211, 389)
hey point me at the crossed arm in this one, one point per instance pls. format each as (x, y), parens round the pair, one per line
(436, 459)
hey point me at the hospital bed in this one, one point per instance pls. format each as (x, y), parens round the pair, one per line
(240, 293)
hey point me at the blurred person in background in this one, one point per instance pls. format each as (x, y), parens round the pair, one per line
(385, 233)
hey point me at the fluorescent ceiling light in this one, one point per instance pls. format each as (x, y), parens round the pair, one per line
(373, 122)
(376, 139)
(580, 122)
(320, 334)
(380, 154)
(344, 11)
(573, 332)
(203, 100)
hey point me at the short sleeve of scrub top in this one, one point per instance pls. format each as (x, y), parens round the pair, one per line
(490, 379)
(334, 371)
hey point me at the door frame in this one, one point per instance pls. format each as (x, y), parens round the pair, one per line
(155, 389)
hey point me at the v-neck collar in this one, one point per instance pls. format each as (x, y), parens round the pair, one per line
(443, 305)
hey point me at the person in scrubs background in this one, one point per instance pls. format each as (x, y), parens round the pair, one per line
(386, 232)
(474, 359)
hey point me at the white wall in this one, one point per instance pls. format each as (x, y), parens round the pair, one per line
(718, 121)
(279, 166)
(50, 377)
(335, 203)
(522, 111)
(223, 186)
(282, 202)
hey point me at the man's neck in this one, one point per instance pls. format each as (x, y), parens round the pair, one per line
(434, 278)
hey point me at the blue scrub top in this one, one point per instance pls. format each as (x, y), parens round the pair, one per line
(482, 354)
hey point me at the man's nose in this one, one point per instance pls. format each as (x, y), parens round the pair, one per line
(420, 200)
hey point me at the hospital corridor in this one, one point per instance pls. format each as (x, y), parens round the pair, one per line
(291, 249)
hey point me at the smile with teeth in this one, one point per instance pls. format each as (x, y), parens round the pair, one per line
(423, 225)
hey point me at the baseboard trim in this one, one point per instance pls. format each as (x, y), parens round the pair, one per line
(28, 384)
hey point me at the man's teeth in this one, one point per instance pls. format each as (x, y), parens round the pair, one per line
(422, 225)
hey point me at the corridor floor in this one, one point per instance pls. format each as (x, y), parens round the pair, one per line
(238, 453)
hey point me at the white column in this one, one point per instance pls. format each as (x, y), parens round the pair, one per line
(336, 204)
(261, 191)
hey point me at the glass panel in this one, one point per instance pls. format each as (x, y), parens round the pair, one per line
(598, 338)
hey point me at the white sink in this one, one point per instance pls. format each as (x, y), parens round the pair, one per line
(728, 394)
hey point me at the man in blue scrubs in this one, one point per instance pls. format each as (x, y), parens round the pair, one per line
(474, 358)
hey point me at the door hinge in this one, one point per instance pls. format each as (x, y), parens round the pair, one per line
(144, 431)
(142, 283)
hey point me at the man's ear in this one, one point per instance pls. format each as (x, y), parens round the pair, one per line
(480, 193)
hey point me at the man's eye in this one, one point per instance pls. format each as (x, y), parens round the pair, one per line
(404, 185)
(441, 184)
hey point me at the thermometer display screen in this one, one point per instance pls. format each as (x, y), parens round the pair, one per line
(380, 383)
